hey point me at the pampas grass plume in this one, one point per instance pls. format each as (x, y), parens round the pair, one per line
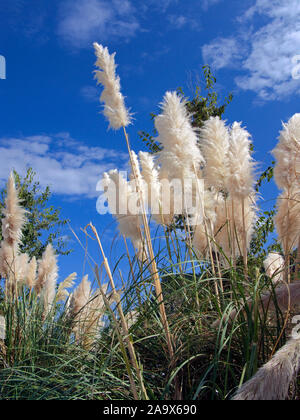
(287, 154)
(272, 381)
(114, 108)
(14, 215)
(47, 274)
(180, 154)
(240, 180)
(214, 136)
(274, 265)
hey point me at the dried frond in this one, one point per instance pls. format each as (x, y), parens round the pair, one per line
(240, 181)
(272, 381)
(114, 108)
(274, 266)
(214, 136)
(287, 154)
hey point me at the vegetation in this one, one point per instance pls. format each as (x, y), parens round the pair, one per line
(201, 314)
(44, 223)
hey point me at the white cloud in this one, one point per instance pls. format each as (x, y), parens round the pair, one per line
(90, 93)
(267, 51)
(179, 21)
(84, 21)
(69, 167)
(208, 3)
(222, 52)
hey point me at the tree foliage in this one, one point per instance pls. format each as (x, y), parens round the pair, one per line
(44, 224)
(201, 107)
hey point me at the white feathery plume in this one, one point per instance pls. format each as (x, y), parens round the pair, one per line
(14, 215)
(214, 136)
(240, 180)
(287, 154)
(8, 255)
(274, 266)
(204, 223)
(181, 155)
(114, 109)
(2, 328)
(226, 215)
(47, 275)
(31, 273)
(12, 224)
(273, 380)
(287, 219)
(222, 228)
(93, 317)
(22, 262)
(62, 292)
(45, 285)
(150, 175)
(80, 296)
(129, 224)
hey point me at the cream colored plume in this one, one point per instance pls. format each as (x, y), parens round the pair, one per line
(287, 154)
(87, 308)
(240, 180)
(14, 216)
(274, 266)
(8, 256)
(181, 156)
(47, 275)
(62, 292)
(214, 137)
(126, 209)
(228, 214)
(287, 219)
(204, 221)
(114, 105)
(80, 296)
(150, 175)
(31, 273)
(22, 265)
(272, 381)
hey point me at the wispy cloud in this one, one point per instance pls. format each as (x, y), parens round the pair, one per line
(208, 3)
(68, 166)
(265, 53)
(90, 93)
(222, 52)
(82, 21)
(179, 21)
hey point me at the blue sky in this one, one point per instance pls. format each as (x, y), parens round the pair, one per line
(50, 113)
